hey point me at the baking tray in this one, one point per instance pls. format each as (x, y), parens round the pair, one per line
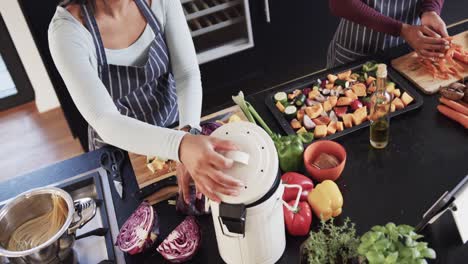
(393, 76)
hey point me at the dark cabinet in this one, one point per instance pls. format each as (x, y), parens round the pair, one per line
(245, 70)
(292, 44)
(299, 34)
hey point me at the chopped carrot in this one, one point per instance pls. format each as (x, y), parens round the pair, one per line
(443, 68)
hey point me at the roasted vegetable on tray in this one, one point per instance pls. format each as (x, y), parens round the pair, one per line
(337, 102)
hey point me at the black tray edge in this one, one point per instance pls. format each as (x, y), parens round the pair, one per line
(392, 73)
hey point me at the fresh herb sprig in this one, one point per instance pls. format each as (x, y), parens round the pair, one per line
(332, 244)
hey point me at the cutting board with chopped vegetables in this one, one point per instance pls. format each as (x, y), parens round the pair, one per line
(409, 67)
(337, 102)
(160, 169)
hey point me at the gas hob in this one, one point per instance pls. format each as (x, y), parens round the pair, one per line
(94, 241)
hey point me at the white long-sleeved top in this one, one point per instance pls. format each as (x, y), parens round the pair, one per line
(74, 54)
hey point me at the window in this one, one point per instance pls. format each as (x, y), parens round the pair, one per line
(7, 86)
(15, 88)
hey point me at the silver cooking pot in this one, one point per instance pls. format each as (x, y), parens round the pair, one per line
(35, 203)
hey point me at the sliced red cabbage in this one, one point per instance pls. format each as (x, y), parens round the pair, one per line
(209, 127)
(182, 243)
(140, 230)
(195, 207)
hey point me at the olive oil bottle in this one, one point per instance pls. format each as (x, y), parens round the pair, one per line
(379, 111)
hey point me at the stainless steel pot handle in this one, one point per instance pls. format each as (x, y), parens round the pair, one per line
(267, 11)
(85, 210)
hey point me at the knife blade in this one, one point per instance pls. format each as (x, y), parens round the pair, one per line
(119, 188)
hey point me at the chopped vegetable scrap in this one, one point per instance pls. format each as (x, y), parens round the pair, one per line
(449, 65)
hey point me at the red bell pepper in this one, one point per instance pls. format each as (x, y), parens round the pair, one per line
(298, 219)
(299, 179)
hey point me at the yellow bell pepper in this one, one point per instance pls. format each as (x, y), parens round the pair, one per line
(326, 200)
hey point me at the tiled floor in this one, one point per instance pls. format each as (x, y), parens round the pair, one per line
(29, 140)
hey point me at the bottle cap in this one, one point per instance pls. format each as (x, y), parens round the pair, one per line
(381, 70)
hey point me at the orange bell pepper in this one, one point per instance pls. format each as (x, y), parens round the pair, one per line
(326, 200)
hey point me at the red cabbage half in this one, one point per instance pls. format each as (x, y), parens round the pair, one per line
(182, 243)
(209, 127)
(139, 231)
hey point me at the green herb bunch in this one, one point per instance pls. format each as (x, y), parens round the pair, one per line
(332, 244)
(394, 244)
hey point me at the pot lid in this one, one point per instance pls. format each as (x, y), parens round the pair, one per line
(255, 164)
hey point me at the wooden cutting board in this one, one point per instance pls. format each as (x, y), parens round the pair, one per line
(145, 177)
(408, 66)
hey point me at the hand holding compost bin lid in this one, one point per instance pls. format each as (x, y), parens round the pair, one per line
(255, 163)
(242, 223)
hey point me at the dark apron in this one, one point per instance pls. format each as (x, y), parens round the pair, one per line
(146, 93)
(353, 41)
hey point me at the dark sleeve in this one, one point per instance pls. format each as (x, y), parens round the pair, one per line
(359, 12)
(432, 5)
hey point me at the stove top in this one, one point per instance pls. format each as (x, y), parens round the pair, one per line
(94, 241)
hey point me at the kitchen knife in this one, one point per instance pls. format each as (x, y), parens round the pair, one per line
(155, 187)
(119, 188)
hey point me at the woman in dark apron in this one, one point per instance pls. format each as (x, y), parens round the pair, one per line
(369, 26)
(129, 103)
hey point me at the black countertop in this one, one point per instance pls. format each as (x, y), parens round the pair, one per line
(426, 157)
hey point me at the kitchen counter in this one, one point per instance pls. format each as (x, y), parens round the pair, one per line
(426, 157)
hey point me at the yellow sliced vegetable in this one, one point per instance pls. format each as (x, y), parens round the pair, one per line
(280, 106)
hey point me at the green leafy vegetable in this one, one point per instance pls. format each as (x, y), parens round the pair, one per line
(394, 244)
(332, 244)
(240, 101)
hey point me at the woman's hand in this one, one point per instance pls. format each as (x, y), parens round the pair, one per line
(184, 179)
(433, 21)
(205, 165)
(424, 40)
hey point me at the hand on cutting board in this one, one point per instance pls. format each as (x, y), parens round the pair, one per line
(425, 41)
(433, 21)
(200, 157)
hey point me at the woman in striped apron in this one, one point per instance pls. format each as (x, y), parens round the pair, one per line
(369, 26)
(121, 65)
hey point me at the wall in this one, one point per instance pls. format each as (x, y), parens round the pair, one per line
(46, 98)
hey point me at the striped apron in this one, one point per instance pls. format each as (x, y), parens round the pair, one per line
(353, 41)
(147, 92)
